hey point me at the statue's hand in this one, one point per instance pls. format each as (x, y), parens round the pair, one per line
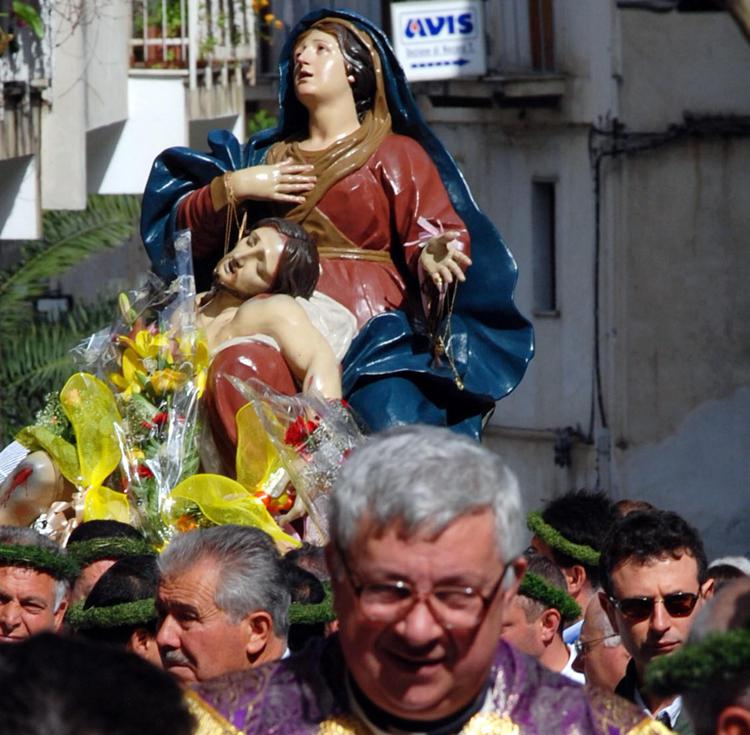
(285, 181)
(442, 259)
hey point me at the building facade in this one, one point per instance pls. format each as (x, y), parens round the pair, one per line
(109, 85)
(609, 144)
(627, 206)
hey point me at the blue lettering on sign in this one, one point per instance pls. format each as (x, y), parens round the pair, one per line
(465, 24)
(430, 26)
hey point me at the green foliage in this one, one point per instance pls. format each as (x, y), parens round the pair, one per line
(37, 360)
(155, 18)
(538, 588)
(716, 661)
(68, 238)
(54, 563)
(29, 15)
(552, 537)
(260, 120)
(125, 614)
(108, 547)
(34, 351)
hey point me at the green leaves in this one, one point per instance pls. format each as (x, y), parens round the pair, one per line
(29, 15)
(36, 360)
(34, 352)
(68, 238)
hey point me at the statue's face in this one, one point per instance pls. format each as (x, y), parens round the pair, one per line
(250, 267)
(319, 69)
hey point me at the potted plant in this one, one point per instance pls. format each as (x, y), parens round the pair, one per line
(22, 14)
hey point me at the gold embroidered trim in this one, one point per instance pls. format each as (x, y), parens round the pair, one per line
(490, 723)
(649, 726)
(343, 725)
(208, 720)
(483, 723)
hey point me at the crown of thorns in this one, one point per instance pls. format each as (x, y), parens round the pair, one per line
(57, 564)
(715, 660)
(108, 547)
(552, 537)
(138, 612)
(538, 588)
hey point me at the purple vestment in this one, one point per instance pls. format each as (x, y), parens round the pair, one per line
(307, 694)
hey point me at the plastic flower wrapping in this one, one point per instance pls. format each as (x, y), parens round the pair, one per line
(291, 449)
(125, 432)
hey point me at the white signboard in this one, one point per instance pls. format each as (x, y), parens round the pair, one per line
(439, 40)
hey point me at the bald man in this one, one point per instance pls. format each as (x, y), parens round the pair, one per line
(601, 656)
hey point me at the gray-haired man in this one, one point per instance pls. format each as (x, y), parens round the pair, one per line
(35, 577)
(426, 528)
(222, 602)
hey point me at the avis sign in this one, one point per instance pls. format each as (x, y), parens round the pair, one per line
(439, 40)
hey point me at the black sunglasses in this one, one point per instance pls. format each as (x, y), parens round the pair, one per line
(678, 605)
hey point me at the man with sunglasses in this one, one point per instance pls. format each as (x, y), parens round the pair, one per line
(712, 671)
(425, 532)
(654, 578)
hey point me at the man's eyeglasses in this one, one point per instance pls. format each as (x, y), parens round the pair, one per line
(584, 647)
(678, 605)
(452, 606)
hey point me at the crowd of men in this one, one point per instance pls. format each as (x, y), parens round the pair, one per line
(434, 608)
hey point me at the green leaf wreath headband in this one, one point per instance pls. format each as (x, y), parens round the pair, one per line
(139, 612)
(711, 662)
(538, 588)
(108, 547)
(58, 565)
(552, 537)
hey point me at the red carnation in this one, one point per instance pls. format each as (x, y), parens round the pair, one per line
(299, 432)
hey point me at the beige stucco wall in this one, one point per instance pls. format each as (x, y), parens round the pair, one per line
(675, 263)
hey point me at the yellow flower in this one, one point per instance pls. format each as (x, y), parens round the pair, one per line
(278, 24)
(147, 344)
(166, 380)
(196, 350)
(133, 375)
(268, 17)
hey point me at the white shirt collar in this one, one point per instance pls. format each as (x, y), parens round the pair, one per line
(569, 672)
(673, 709)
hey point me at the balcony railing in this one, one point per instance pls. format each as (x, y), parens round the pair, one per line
(25, 63)
(194, 35)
